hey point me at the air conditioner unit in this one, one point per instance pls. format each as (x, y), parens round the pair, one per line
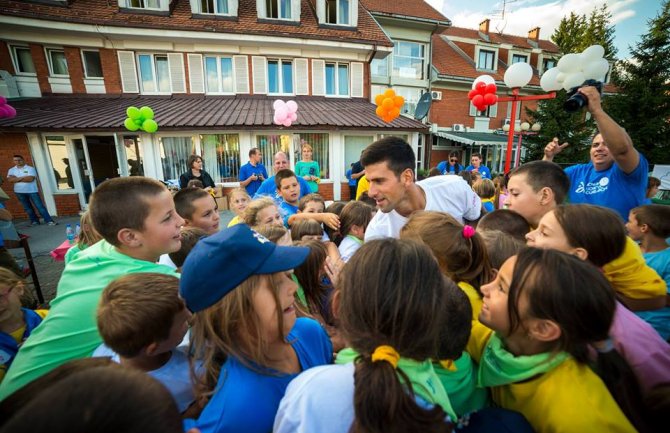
(458, 128)
(436, 96)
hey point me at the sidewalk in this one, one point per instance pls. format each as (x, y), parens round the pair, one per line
(44, 238)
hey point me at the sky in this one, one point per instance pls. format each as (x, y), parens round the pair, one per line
(628, 16)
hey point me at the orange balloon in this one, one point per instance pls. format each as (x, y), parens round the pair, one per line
(398, 101)
(390, 119)
(387, 103)
(379, 99)
(380, 112)
(390, 93)
(394, 112)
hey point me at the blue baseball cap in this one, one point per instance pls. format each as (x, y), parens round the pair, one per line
(219, 263)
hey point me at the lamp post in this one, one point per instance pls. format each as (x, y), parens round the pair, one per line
(526, 130)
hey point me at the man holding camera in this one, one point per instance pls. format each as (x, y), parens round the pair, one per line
(616, 177)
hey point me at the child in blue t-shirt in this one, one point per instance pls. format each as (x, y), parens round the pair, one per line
(486, 190)
(289, 190)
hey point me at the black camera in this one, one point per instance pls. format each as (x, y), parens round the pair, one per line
(576, 101)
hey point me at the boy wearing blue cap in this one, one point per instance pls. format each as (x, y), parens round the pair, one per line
(137, 219)
(238, 284)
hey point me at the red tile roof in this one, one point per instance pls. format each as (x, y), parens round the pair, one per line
(104, 12)
(501, 38)
(107, 113)
(405, 8)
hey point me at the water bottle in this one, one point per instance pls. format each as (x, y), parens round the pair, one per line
(69, 234)
(77, 231)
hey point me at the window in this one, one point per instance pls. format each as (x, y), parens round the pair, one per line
(92, 65)
(411, 96)
(519, 58)
(408, 60)
(144, 4)
(337, 79)
(221, 153)
(271, 144)
(23, 60)
(548, 64)
(154, 73)
(174, 153)
(134, 155)
(280, 76)
(214, 7)
(57, 62)
(380, 67)
(337, 12)
(219, 73)
(320, 154)
(486, 60)
(278, 9)
(60, 162)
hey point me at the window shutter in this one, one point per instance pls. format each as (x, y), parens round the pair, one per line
(493, 111)
(260, 73)
(261, 9)
(232, 10)
(241, 74)
(176, 65)
(195, 7)
(295, 10)
(128, 72)
(318, 76)
(353, 4)
(356, 80)
(321, 11)
(473, 110)
(301, 77)
(196, 77)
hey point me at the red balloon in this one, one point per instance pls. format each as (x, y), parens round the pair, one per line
(480, 85)
(472, 93)
(489, 99)
(478, 100)
(491, 88)
(481, 107)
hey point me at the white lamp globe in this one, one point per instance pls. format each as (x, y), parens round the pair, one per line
(518, 75)
(506, 128)
(525, 126)
(536, 127)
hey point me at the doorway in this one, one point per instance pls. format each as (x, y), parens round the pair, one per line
(96, 162)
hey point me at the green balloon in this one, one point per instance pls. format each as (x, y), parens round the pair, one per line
(147, 113)
(138, 122)
(133, 113)
(150, 126)
(130, 125)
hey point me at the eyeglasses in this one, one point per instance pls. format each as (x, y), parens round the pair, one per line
(453, 160)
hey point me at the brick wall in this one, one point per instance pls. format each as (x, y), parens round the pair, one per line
(344, 191)
(326, 190)
(76, 69)
(110, 71)
(5, 59)
(41, 67)
(67, 204)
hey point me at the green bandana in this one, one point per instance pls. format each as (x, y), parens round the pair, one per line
(499, 367)
(423, 378)
(300, 292)
(355, 239)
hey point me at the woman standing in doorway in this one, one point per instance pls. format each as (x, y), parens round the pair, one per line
(196, 172)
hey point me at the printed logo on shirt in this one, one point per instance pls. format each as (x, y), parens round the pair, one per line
(593, 187)
(260, 238)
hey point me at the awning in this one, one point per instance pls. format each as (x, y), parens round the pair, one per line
(474, 138)
(78, 113)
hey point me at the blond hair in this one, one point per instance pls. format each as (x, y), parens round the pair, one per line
(88, 235)
(250, 214)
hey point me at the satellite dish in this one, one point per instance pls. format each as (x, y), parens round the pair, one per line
(423, 106)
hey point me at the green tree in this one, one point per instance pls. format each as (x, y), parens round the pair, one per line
(642, 104)
(569, 33)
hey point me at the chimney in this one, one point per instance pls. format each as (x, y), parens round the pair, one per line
(484, 26)
(534, 34)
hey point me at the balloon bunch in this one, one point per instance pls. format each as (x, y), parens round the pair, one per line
(6, 110)
(483, 93)
(141, 118)
(285, 112)
(388, 105)
(573, 69)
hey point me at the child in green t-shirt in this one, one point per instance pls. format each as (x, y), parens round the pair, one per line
(308, 169)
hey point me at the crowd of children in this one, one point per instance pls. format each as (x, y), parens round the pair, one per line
(543, 316)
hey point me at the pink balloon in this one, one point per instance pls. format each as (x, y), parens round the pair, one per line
(292, 106)
(11, 110)
(3, 112)
(293, 117)
(3, 100)
(278, 103)
(277, 120)
(287, 122)
(281, 113)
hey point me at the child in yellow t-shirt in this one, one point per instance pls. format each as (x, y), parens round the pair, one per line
(238, 200)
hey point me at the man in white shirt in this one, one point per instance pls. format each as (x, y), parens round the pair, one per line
(24, 178)
(389, 167)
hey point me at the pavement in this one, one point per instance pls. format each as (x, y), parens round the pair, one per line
(44, 238)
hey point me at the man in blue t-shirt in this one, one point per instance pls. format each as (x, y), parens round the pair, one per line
(268, 186)
(616, 177)
(476, 165)
(253, 173)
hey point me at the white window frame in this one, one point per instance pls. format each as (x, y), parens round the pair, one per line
(47, 52)
(337, 14)
(153, 71)
(524, 55)
(423, 59)
(216, 12)
(277, 3)
(162, 5)
(543, 61)
(15, 60)
(493, 50)
(218, 74)
(280, 78)
(83, 62)
(337, 80)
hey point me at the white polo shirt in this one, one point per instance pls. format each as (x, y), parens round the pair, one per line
(24, 187)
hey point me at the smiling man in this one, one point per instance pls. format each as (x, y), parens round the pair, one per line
(389, 167)
(268, 186)
(616, 177)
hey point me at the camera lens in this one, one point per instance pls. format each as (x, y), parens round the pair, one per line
(575, 102)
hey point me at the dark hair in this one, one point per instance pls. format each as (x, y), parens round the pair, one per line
(107, 400)
(382, 302)
(598, 230)
(656, 217)
(18, 156)
(545, 174)
(284, 174)
(365, 198)
(652, 182)
(273, 233)
(315, 196)
(122, 203)
(184, 198)
(195, 183)
(355, 213)
(500, 246)
(309, 274)
(395, 151)
(578, 298)
(467, 176)
(456, 330)
(336, 208)
(138, 309)
(192, 159)
(434, 172)
(253, 151)
(306, 227)
(507, 221)
(189, 237)
(477, 154)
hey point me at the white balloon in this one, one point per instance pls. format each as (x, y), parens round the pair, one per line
(560, 77)
(592, 53)
(548, 81)
(575, 79)
(487, 79)
(570, 63)
(596, 70)
(518, 75)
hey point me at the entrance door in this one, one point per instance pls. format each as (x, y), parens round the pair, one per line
(96, 162)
